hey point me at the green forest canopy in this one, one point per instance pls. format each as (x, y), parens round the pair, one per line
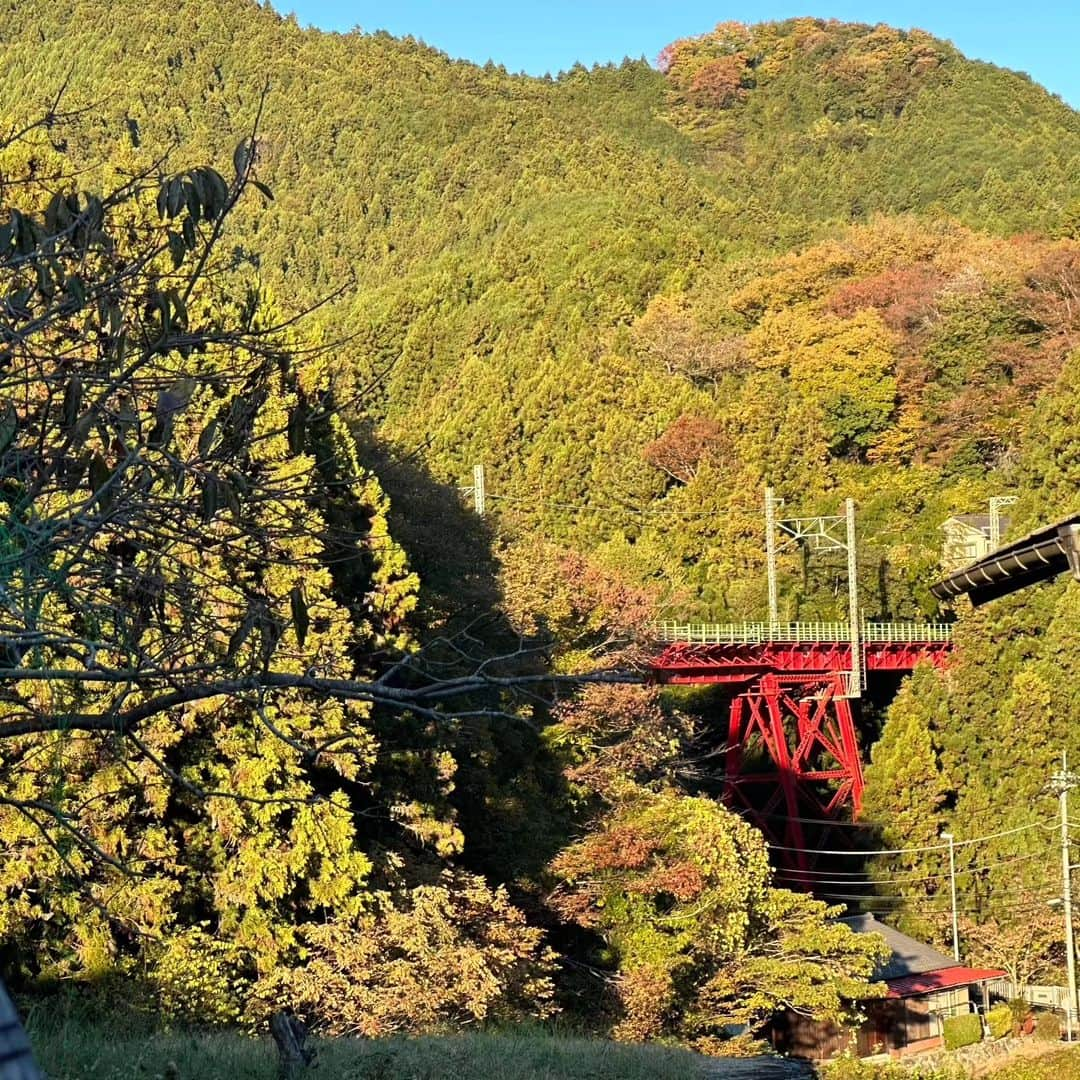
(551, 273)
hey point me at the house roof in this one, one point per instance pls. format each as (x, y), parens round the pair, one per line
(978, 522)
(909, 957)
(957, 975)
(915, 967)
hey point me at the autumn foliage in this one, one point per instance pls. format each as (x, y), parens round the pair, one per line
(680, 451)
(836, 259)
(678, 888)
(873, 71)
(450, 952)
(719, 82)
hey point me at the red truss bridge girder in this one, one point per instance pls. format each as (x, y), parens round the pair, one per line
(694, 662)
(804, 725)
(791, 716)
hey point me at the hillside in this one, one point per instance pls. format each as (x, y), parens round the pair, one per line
(818, 119)
(531, 258)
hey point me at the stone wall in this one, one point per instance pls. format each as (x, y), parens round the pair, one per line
(980, 1058)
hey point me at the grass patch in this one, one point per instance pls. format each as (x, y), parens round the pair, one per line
(71, 1049)
(1058, 1065)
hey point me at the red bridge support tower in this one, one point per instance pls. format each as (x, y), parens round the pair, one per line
(806, 726)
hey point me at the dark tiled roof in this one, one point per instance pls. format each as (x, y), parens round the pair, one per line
(909, 957)
(977, 521)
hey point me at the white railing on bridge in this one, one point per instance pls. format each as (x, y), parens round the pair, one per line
(901, 632)
(752, 633)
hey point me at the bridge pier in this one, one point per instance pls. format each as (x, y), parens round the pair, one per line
(803, 725)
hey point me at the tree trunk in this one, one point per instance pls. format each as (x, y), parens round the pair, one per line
(290, 1035)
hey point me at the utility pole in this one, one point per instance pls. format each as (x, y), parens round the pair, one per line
(478, 491)
(1064, 781)
(771, 502)
(952, 889)
(853, 602)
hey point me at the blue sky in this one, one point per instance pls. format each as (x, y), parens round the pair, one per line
(1041, 37)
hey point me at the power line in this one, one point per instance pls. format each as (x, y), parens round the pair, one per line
(629, 511)
(874, 904)
(914, 850)
(805, 820)
(864, 879)
(938, 905)
(863, 874)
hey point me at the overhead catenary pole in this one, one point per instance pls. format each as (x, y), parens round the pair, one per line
(853, 601)
(996, 503)
(479, 493)
(952, 890)
(1065, 781)
(770, 552)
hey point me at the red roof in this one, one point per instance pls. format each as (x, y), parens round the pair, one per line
(928, 981)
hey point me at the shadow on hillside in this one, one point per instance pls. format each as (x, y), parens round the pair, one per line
(509, 795)
(449, 546)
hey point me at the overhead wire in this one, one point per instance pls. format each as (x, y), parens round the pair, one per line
(629, 511)
(864, 879)
(878, 904)
(831, 823)
(883, 904)
(944, 846)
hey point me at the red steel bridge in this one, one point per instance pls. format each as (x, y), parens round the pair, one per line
(792, 753)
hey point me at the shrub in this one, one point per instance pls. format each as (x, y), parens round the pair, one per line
(961, 1031)
(1048, 1027)
(1000, 1021)
(1020, 1010)
(199, 979)
(456, 952)
(849, 1067)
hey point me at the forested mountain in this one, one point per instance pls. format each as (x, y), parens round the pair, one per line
(821, 120)
(568, 279)
(839, 259)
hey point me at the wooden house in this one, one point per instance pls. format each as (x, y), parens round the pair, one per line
(923, 987)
